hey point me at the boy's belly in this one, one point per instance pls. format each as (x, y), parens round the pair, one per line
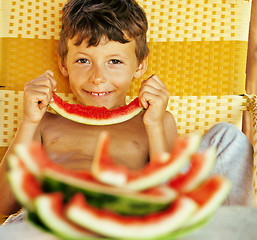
(73, 145)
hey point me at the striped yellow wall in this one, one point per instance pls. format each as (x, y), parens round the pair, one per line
(196, 47)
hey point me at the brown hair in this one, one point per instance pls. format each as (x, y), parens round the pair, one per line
(90, 20)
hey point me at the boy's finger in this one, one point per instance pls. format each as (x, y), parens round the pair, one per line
(50, 72)
(155, 82)
(50, 75)
(157, 79)
(39, 93)
(154, 87)
(36, 98)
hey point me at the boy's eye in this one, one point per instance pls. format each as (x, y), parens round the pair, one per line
(83, 60)
(115, 61)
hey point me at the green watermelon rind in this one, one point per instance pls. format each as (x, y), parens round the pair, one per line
(183, 231)
(166, 223)
(57, 225)
(34, 221)
(123, 202)
(95, 120)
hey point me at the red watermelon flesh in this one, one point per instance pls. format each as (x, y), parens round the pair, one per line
(95, 115)
(113, 225)
(162, 168)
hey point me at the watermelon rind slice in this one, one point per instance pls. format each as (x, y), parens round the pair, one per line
(183, 231)
(165, 173)
(199, 169)
(150, 176)
(95, 115)
(119, 200)
(55, 178)
(59, 225)
(148, 227)
(212, 204)
(18, 178)
(33, 219)
(209, 160)
(22, 151)
(13, 162)
(15, 177)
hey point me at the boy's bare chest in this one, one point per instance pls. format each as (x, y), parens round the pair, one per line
(74, 145)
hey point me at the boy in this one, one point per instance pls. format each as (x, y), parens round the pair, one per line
(102, 48)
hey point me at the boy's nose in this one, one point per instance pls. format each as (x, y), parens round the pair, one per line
(97, 76)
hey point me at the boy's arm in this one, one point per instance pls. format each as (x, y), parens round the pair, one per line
(37, 95)
(8, 204)
(159, 124)
(162, 137)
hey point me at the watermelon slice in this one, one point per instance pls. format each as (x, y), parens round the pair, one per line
(56, 178)
(50, 210)
(120, 200)
(14, 162)
(124, 212)
(199, 168)
(209, 196)
(33, 157)
(163, 167)
(95, 115)
(25, 186)
(130, 227)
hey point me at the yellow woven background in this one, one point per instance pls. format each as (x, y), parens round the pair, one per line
(196, 47)
(192, 113)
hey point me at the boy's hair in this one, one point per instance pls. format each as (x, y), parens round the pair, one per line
(90, 20)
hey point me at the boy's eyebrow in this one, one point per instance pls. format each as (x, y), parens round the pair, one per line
(111, 56)
(118, 55)
(81, 53)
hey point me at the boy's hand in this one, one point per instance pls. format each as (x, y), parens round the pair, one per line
(37, 95)
(154, 96)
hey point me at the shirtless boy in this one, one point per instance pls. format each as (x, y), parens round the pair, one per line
(102, 48)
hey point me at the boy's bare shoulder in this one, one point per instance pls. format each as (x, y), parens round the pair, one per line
(50, 117)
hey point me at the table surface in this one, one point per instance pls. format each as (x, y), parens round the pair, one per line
(235, 223)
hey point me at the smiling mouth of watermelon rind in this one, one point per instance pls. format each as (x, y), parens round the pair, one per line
(91, 115)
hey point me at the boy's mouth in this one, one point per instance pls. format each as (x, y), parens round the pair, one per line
(98, 93)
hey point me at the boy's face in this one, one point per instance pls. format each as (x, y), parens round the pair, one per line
(101, 75)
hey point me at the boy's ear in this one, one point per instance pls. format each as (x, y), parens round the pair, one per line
(142, 67)
(62, 67)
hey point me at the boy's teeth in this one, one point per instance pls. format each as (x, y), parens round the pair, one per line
(98, 94)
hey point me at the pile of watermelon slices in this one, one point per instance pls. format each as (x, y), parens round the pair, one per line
(171, 196)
